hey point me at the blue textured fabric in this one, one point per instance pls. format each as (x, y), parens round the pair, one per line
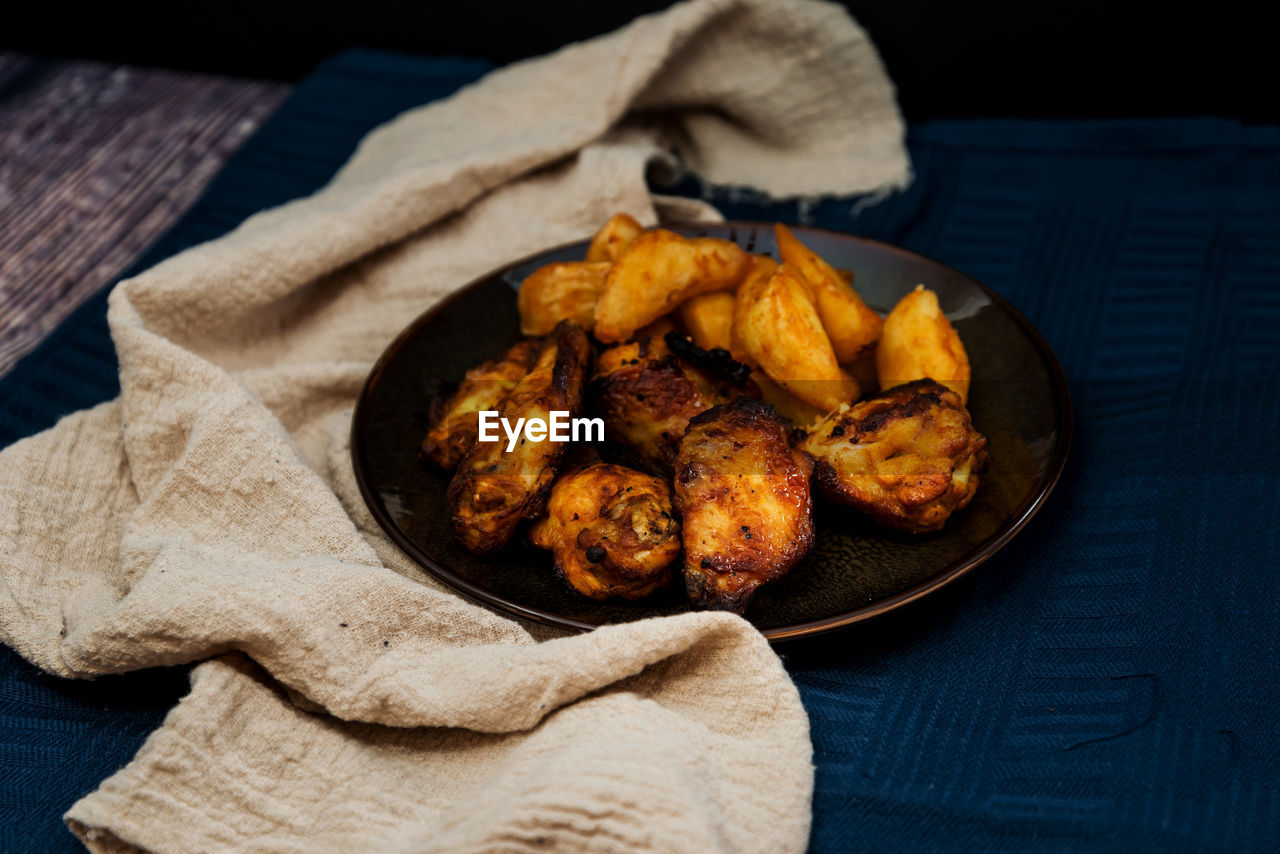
(1109, 682)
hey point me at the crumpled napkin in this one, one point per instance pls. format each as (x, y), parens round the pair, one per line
(348, 702)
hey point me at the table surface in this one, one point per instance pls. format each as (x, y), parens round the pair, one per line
(96, 162)
(1108, 682)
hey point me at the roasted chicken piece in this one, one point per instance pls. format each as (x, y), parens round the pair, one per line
(743, 494)
(647, 390)
(908, 457)
(611, 531)
(493, 490)
(453, 417)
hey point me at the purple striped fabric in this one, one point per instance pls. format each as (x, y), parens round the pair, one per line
(96, 161)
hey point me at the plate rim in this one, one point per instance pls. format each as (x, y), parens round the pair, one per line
(1010, 528)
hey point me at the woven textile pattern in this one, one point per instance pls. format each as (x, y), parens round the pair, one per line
(96, 162)
(1107, 683)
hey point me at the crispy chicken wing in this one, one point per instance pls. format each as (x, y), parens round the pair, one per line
(744, 497)
(646, 393)
(611, 530)
(493, 490)
(453, 418)
(908, 457)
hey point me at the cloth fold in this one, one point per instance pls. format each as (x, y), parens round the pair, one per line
(210, 512)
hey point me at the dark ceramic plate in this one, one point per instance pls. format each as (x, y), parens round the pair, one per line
(1018, 399)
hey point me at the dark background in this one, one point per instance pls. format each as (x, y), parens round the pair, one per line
(993, 58)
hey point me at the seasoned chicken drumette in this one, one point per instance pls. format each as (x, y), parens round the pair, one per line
(493, 490)
(647, 390)
(454, 418)
(744, 497)
(908, 457)
(611, 530)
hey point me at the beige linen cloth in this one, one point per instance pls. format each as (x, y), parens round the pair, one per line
(348, 702)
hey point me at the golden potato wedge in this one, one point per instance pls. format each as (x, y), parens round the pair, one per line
(657, 272)
(919, 342)
(708, 319)
(761, 270)
(614, 237)
(782, 333)
(790, 407)
(850, 323)
(565, 290)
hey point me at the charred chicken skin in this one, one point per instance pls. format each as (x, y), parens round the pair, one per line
(611, 531)
(493, 490)
(647, 390)
(744, 498)
(454, 418)
(908, 457)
